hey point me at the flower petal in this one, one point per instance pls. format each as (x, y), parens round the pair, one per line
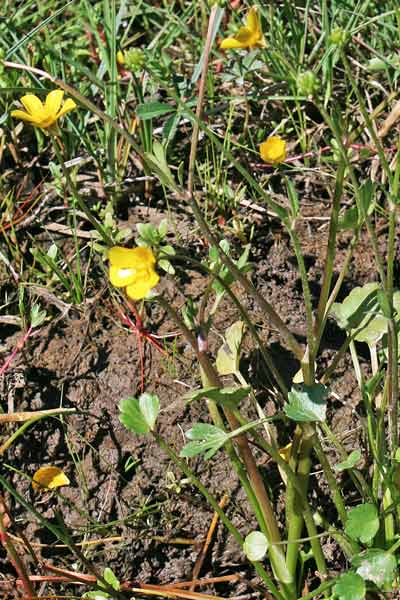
(143, 285)
(253, 20)
(243, 39)
(131, 258)
(273, 150)
(53, 102)
(49, 478)
(21, 114)
(33, 105)
(122, 277)
(68, 105)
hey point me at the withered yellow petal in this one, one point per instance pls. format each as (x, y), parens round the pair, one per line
(48, 478)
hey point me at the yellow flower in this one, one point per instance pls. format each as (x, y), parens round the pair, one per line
(248, 36)
(134, 270)
(273, 150)
(44, 115)
(48, 478)
(120, 58)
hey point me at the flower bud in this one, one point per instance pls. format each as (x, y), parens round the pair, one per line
(307, 83)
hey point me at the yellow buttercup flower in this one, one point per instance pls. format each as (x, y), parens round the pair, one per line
(120, 58)
(47, 114)
(133, 269)
(273, 150)
(48, 478)
(248, 36)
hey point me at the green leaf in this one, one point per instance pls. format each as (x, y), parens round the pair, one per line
(131, 416)
(149, 406)
(206, 438)
(351, 461)
(229, 396)
(149, 110)
(37, 316)
(349, 219)
(307, 403)
(255, 546)
(375, 565)
(163, 228)
(356, 307)
(228, 355)
(293, 198)
(362, 523)
(367, 195)
(349, 586)
(166, 266)
(158, 163)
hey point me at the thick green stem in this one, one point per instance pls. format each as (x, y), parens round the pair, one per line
(213, 502)
(268, 522)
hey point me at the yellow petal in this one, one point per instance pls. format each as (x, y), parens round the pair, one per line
(143, 285)
(286, 452)
(244, 38)
(273, 150)
(253, 20)
(21, 114)
(122, 277)
(33, 105)
(120, 57)
(131, 258)
(49, 478)
(68, 105)
(53, 102)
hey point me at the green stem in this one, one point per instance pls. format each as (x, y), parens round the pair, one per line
(307, 298)
(332, 483)
(213, 502)
(330, 256)
(247, 285)
(268, 522)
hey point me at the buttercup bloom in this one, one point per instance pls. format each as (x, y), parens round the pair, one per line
(248, 36)
(273, 150)
(134, 270)
(48, 478)
(47, 114)
(120, 57)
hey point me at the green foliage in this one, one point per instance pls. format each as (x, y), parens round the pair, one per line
(140, 415)
(349, 586)
(351, 461)
(255, 546)
(229, 396)
(111, 579)
(376, 565)
(307, 403)
(154, 237)
(228, 355)
(207, 439)
(362, 523)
